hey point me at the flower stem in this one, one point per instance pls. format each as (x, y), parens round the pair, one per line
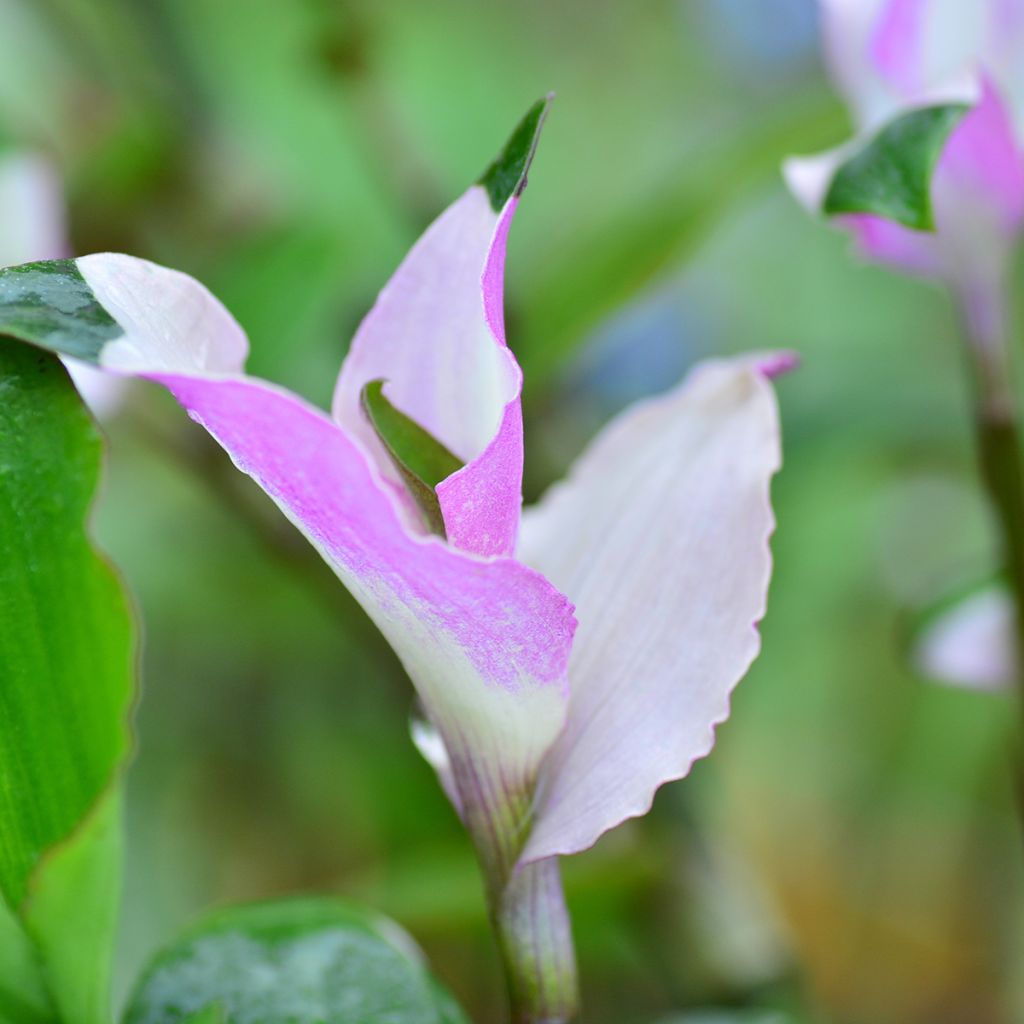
(531, 924)
(999, 449)
(525, 901)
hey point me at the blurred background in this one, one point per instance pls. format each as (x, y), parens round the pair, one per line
(848, 854)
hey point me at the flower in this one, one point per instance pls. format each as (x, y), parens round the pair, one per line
(933, 185)
(546, 735)
(894, 57)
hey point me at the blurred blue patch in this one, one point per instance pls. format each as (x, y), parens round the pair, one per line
(760, 36)
(640, 351)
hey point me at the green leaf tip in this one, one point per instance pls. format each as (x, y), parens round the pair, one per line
(891, 176)
(49, 304)
(506, 177)
(421, 460)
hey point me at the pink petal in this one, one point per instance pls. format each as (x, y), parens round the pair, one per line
(848, 27)
(660, 535)
(885, 241)
(486, 642)
(898, 44)
(922, 48)
(982, 170)
(436, 335)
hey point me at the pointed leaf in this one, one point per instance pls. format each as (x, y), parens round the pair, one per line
(420, 458)
(302, 961)
(506, 176)
(891, 176)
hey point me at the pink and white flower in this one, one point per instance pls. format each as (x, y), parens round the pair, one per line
(570, 659)
(888, 57)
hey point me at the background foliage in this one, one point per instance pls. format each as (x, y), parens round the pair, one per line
(848, 853)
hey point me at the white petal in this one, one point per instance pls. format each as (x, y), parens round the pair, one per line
(810, 177)
(971, 645)
(660, 536)
(32, 222)
(170, 322)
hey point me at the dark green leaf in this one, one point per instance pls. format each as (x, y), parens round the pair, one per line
(67, 666)
(892, 175)
(419, 457)
(506, 177)
(49, 304)
(302, 961)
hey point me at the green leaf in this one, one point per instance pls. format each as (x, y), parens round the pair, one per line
(506, 177)
(50, 305)
(891, 176)
(419, 457)
(213, 1014)
(24, 995)
(67, 665)
(301, 961)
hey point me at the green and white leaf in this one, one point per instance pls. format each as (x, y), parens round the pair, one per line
(301, 961)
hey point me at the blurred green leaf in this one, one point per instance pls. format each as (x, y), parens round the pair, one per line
(24, 998)
(211, 1015)
(730, 1017)
(892, 175)
(301, 961)
(66, 660)
(613, 259)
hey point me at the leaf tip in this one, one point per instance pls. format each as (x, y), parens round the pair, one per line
(505, 178)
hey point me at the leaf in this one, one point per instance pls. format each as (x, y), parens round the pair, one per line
(418, 456)
(506, 176)
(24, 998)
(67, 665)
(49, 304)
(891, 176)
(213, 1014)
(300, 961)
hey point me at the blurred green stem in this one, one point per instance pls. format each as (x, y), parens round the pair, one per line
(998, 442)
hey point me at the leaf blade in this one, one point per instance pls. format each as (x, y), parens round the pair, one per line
(299, 961)
(67, 667)
(421, 460)
(891, 175)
